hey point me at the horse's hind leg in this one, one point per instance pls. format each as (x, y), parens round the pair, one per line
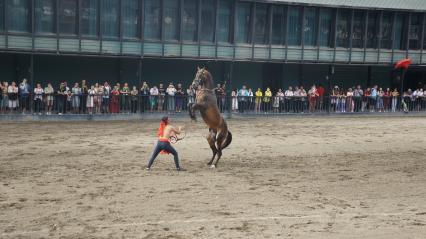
(219, 145)
(211, 138)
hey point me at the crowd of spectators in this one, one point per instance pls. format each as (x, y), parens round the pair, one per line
(121, 98)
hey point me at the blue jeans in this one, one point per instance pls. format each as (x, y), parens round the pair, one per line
(164, 146)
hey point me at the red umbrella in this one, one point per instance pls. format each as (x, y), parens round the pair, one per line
(403, 64)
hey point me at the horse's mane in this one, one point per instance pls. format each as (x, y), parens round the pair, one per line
(208, 79)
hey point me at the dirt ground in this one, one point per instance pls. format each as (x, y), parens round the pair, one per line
(312, 177)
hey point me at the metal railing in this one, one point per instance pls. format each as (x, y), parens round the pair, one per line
(134, 104)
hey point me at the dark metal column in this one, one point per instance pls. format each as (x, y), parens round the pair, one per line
(286, 32)
(408, 36)
(302, 37)
(252, 27)
(365, 34)
(271, 12)
(379, 40)
(336, 18)
(351, 35)
(31, 70)
(422, 37)
(318, 33)
(393, 35)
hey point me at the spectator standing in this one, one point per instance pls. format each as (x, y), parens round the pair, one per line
(280, 94)
(171, 91)
(99, 98)
(373, 98)
(13, 92)
(125, 100)
(180, 96)
(67, 98)
(276, 103)
(84, 92)
(191, 95)
(334, 97)
(242, 99)
(267, 99)
(144, 93)
(303, 96)
(258, 100)
(313, 95)
(91, 99)
(321, 92)
(154, 96)
(395, 95)
(234, 100)
(106, 98)
(250, 99)
(161, 96)
(387, 99)
(38, 99)
(76, 94)
(24, 93)
(48, 92)
(358, 93)
(115, 100)
(61, 98)
(5, 97)
(366, 100)
(134, 99)
(296, 100)
(380, 94)
(349, 101)
(289, 94)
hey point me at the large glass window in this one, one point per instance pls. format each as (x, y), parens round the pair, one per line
(294, 26)
(68, 17)
(207, 20)
(401, 24)
(343, 28)
(358, 29)
(224, 21)
(386, 31)
(1, 16)
(372, 29)
(171, 19)
(189, 20)
(44, 16)
(130, 18)
(415, 31)
(311, 26)
(261, 28)
(278, 25)
(89, 17)
(152, 21)
(109, 18)
(326, 26)
(18, 17)
(242, 33)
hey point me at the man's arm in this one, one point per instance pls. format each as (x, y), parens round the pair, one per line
(177, 130)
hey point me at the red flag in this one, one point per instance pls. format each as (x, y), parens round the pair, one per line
(403, 64)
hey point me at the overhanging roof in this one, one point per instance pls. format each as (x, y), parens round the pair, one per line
(418, 5)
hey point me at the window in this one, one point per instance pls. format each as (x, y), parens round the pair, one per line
(19, 21)
(171, 19)
(311, 26)
(224, 21)
(386, 32)
(207, 20)
(130, 18)
(372, 29)
(189, 20)
(89, 17)
(326, 26)
(294, 26)
(67, 17)
(415, 31)
(152, 21)
(278, 25)
(401, 24)
(261, 26)
(109, 18)
(358, 30)
(343, 28)
(44, 16)
(1, 15)
(242, 33)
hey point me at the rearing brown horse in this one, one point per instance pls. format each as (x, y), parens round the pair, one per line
(219, 136)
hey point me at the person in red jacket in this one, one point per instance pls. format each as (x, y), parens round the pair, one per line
(321, 92)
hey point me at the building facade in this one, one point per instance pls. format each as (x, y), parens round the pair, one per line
(259, 43)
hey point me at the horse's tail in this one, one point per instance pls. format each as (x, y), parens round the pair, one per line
(228, 140)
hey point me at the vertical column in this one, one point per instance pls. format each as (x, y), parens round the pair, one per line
(31, 70)
(32, 9)
(216, 19)
(199, 27)
(336, 18)
(351, 34)
(252, 27)
(318, 33)
(365, 34)
(379, 40)
(422, 37)
(302, 37)
(393, 35)
(286, 31)
(408, 35)
(228, 89)
(120, 25)
(271, 12)
(141, 28)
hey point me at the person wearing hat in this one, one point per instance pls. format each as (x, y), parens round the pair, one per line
(165, 131)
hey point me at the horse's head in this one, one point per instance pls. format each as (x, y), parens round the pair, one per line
(203, 78)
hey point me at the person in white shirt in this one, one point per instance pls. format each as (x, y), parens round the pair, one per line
(171, 91)
(76, 94)
(38, 99)
(280, 94)
(90, 99)
(289, 99)
(12, 91)
(153, 95)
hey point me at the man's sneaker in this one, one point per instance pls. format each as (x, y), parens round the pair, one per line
(181, 169)
(148, 169)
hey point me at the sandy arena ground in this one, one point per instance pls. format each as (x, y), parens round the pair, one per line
(312, 177)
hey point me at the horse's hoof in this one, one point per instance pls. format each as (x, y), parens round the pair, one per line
(212, 166)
